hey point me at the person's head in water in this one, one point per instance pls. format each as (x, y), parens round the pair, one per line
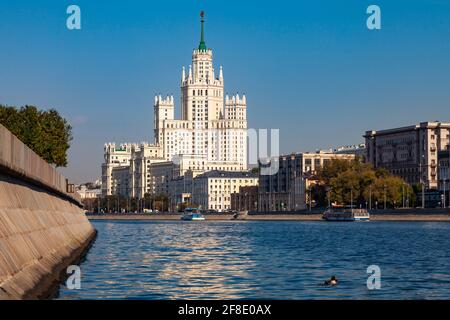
(331, 282)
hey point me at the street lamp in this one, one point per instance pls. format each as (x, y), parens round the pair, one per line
(403, 196)
(310, 198)
(444, 198)
(422, 182)
(351, 198)
(329, 197)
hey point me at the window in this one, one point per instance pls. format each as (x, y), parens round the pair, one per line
(317, 163)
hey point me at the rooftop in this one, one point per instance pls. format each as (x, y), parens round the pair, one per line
(427, 124)
(228, 174)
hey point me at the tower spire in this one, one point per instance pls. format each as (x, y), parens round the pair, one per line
(202, 45)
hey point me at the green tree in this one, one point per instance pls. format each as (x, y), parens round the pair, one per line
(357, 181)
(161, 202)
(45, 132)
(182, 206)
(255, 170)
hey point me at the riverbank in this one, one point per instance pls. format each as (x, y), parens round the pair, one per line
(444, 217)
(43, 228)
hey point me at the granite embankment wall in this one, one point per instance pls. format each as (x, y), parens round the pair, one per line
(43, 228)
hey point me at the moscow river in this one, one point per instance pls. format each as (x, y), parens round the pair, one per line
(260, 259)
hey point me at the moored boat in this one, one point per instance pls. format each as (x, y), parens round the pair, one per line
(345, 214)
(192, 214)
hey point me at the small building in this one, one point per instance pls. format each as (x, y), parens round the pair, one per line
(86, 193)
(212, 190)
(358, 150)
(246, 199)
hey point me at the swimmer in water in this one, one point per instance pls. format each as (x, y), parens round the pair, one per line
(331, 282)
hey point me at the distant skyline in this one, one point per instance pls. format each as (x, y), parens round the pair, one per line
(310, 68)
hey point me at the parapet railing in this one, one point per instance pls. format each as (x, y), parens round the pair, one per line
(18, 158)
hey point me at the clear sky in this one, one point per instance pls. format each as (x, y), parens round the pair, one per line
(310, 68)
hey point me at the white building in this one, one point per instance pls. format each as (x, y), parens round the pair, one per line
(86, 193)
(116, 157)
(212, 128)
(141, 179)
(213, 189)
(211, 134)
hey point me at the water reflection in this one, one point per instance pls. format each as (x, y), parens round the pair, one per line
(198, 263)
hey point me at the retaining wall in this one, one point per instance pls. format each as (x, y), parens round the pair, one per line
(42, 227)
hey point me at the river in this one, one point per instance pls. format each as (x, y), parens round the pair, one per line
(264, 260)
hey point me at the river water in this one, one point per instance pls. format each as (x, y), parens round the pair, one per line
(264, 260)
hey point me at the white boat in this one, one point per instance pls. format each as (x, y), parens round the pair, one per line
(345, 214)
(192, 214)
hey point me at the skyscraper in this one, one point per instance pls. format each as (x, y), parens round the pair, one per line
(211, 134)
(212, 127)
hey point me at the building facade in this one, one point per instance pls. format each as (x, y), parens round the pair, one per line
(212, 190)
(358, 150)
(181, 190)
(444, 175)
(87, 193)
(285, 190)
(246, 199)
(410, 152)
(140, 174)
(116, 158)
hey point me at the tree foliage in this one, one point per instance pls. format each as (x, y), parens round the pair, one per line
(344, 181)
(45, 132)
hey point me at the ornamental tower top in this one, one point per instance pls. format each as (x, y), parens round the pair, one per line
(202, 45)
(202, 64)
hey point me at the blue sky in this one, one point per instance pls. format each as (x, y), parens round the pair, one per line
(310, 68)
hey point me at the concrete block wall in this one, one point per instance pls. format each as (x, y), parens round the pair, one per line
(19, 158)
(42, 231)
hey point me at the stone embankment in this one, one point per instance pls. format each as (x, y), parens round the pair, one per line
(43, 228)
